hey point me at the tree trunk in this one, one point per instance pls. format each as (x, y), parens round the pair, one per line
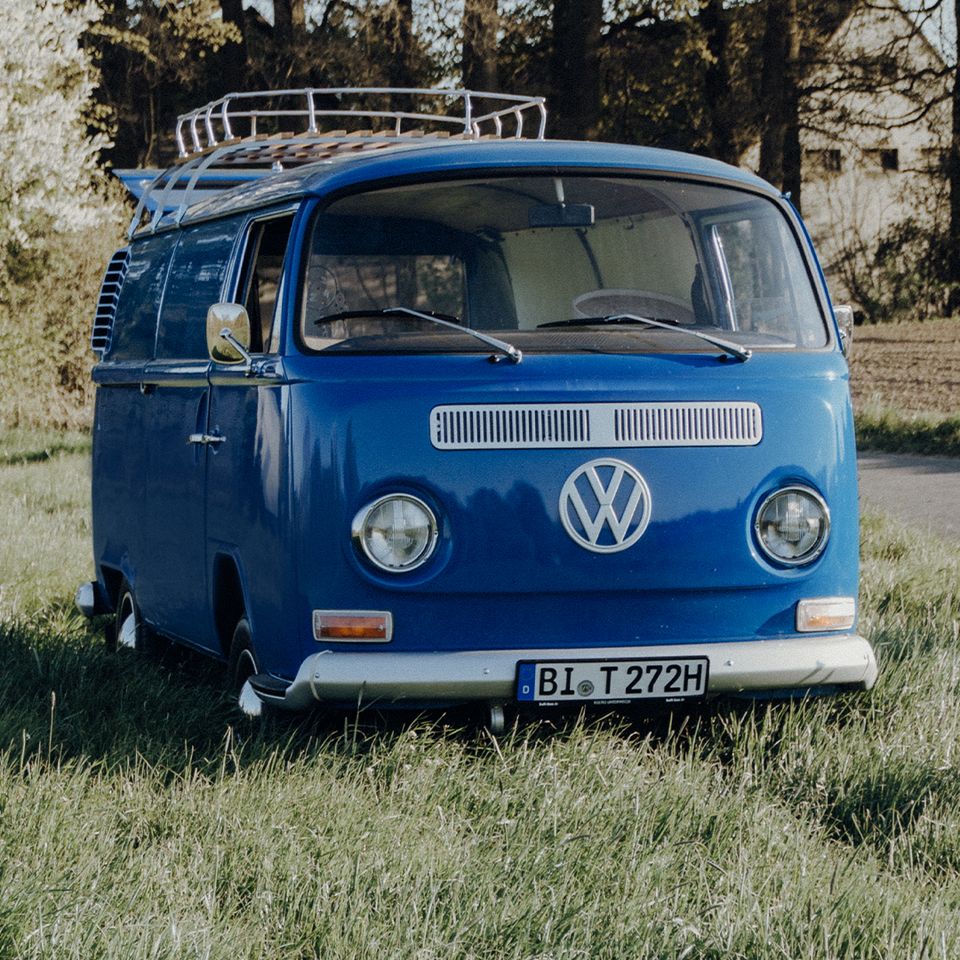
(792, 155)
(233, 56)
(780, 155)
(953, 170)
(289, 21)
(288, 47)
(575, 99)
(480, 23)
(717, 81)
(400, 70)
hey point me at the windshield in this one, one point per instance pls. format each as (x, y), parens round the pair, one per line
(555, 264)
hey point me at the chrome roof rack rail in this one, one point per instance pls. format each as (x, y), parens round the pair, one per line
(246, 136)
(221, 120)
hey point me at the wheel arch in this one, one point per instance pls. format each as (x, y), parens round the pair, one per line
(229, 599)
(111, 578)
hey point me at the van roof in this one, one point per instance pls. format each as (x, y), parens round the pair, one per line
(434, 158)
(255, 149)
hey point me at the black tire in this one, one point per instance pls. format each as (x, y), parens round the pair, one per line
(242, 665)
(243, 662)
(128, 629)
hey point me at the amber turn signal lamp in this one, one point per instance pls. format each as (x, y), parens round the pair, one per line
(353, 626)
(826, 613)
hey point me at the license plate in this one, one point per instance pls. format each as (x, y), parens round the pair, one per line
(645, 678)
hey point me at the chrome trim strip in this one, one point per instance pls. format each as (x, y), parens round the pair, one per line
(587, 425)
(735, 667)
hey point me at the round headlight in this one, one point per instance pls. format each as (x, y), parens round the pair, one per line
(396, 533)
(792, 525)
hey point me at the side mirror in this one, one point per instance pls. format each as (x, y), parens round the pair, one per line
(844, 315)
(228, 333)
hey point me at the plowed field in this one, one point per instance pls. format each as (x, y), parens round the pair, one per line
(909, 367)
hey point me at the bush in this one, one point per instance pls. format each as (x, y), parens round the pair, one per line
(45, 322)
(899, 276)
(58, 218)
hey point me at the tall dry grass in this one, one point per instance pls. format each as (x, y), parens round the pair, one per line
(139, 818)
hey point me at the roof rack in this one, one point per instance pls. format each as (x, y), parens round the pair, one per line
(246, 136)
(219, 121)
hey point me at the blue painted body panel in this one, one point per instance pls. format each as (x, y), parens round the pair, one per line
(506, 573)
(333, 432)
(249, 516)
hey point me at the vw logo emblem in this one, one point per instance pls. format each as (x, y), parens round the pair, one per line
(605, 506)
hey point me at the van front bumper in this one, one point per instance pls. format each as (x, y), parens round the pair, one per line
(386, 677)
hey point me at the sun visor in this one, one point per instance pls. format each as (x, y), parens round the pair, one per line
(208, 184)
(137, 182)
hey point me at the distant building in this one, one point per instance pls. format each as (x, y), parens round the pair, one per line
(873, 153)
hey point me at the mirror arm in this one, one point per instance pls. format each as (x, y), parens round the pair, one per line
(225, 334)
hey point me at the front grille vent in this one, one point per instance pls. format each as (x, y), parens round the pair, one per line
(682, 424)
(566, 425)
(106, 313)
(492, 427)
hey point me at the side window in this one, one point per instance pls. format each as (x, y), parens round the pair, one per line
(260, 280)
(135, 324)
(195, 282)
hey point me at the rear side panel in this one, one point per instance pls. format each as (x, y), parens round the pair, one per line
(120, 435)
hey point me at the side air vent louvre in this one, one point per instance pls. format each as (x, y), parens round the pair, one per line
(107, 301)
(559, 425)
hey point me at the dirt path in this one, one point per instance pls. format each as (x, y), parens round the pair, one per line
(922, 491)
(909, 367)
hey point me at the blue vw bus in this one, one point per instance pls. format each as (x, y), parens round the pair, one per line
(441, 411)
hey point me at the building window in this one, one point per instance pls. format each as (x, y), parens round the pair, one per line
(825, 161)
(886, 158)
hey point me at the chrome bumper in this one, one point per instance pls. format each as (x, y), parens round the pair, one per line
(89, 600)
(490, 675)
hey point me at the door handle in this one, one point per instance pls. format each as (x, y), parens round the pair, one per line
(205, 438)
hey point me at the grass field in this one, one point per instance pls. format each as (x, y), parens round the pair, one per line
(140, 818)
(905, 379)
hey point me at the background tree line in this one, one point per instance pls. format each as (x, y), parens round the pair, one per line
(709, 76)
(700, 75)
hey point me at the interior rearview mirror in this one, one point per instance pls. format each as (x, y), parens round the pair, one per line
(561, 215)
(232, 319)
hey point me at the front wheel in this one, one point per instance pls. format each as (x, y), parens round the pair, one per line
(241, 667)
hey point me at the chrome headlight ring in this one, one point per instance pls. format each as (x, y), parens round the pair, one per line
(396, 533)
(792, 525)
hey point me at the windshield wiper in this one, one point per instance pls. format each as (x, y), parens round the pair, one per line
(441, 319)
(734, 349)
